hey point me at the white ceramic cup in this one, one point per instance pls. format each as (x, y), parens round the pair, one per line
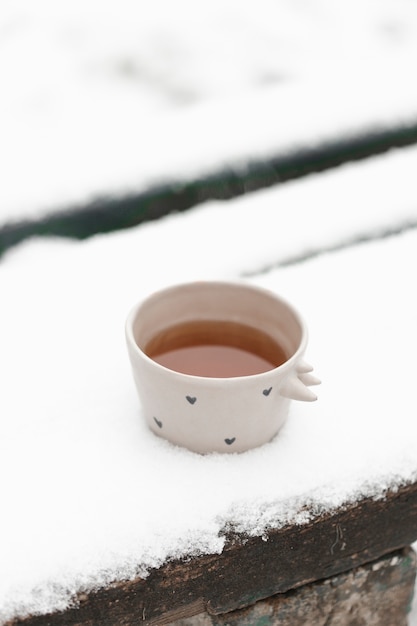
(206, 414)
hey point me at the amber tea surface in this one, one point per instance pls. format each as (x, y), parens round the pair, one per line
(216, 349)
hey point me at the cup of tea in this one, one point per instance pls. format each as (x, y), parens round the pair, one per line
(216, 364)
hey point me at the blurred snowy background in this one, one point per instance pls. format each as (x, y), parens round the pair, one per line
(111, 97)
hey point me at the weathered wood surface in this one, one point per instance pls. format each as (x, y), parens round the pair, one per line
(377, 594)
(249, 570)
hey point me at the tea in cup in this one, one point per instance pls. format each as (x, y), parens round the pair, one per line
(216, 364)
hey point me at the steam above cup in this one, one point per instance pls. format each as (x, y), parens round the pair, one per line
(219, 412)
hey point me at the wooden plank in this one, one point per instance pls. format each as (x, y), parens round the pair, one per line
(377, 594)
(251, 569)
(110, 213)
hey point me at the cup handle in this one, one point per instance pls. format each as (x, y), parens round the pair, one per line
(296, 386)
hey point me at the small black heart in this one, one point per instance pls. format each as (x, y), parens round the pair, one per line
(266, 392)
(230, 441)
(158, 422)
(191, 399)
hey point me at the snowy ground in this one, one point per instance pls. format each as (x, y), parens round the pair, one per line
(108, 98)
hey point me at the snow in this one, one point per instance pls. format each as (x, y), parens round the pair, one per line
(108, 98)
(114, 97)
(91, 495)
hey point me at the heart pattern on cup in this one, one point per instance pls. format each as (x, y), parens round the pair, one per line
(193, 399)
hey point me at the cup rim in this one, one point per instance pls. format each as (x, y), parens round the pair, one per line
(224, 283)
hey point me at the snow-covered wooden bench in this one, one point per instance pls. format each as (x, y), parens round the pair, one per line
(350, 566)
(105, 209)
(101, 523)
(133, 529)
